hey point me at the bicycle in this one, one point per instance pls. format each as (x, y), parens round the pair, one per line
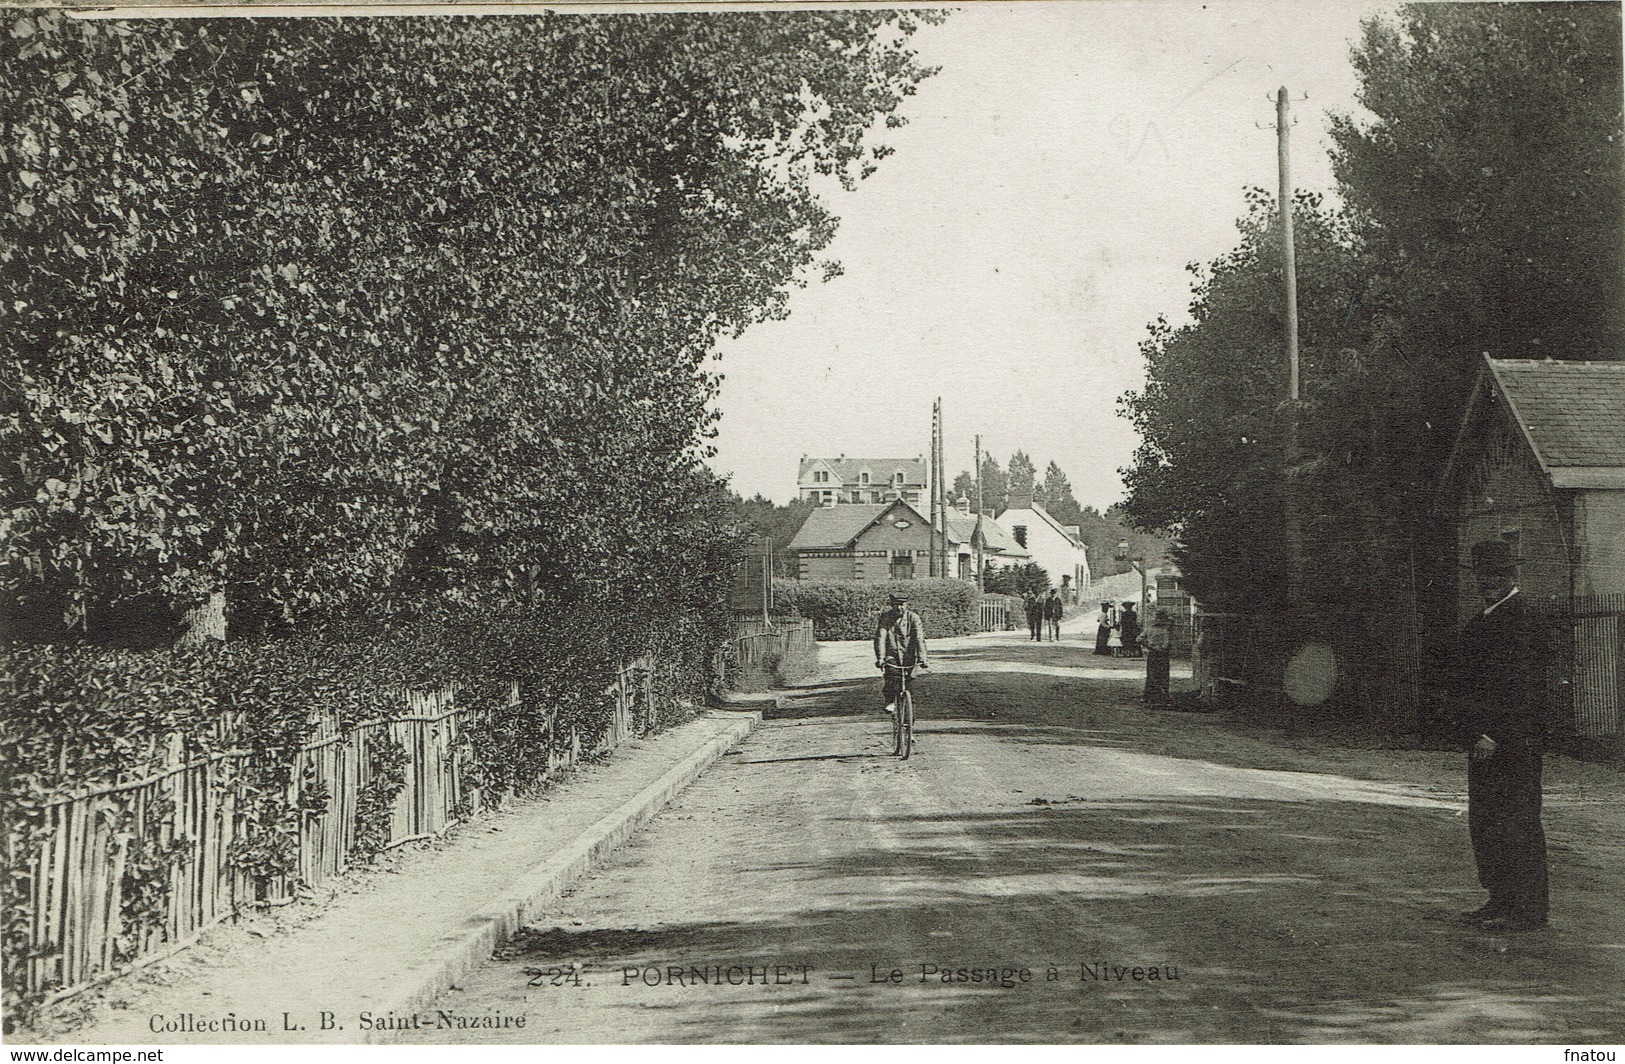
(902, 725)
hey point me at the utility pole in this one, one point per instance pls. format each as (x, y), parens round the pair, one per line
(767, 582)
(940, 491)
(1289, 486)
(935, 477)
(1290, 503)
(978, 537)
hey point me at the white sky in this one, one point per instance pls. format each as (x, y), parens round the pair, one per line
(1056, 176)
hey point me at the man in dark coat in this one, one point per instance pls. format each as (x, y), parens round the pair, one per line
(1502, 724)
(1054, 610)
(1035, 617)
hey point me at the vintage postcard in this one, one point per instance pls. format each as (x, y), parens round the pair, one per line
(1065, 522)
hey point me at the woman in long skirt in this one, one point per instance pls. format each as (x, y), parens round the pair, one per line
(1103, 630)
(1158, 641)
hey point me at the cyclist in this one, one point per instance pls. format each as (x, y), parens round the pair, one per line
(900, 643)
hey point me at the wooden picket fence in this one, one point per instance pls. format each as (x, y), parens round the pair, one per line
(184, 815)
(756, 642)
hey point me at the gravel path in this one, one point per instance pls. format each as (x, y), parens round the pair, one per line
(1186, 879)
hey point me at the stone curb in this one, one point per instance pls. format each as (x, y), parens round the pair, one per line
(483, 931)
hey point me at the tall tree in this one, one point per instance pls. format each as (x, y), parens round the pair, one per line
(431, 322)
(1210, 457)
(1490, 170)
(1055, 492)
(1023, 474)
(995, 485)
(1488, 182)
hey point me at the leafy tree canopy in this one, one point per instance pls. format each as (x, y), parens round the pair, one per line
(1023, 475)
(344, 313)
(1484, 215)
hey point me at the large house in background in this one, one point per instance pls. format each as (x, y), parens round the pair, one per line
(1539, 462)
(1058, 549)
(833, 481)
(892, 541)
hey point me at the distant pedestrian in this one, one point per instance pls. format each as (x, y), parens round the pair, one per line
(1035, 618)
(1053, 610)
(1103, 630)
(1128, 629)
(1158, 640)
(1502, 724)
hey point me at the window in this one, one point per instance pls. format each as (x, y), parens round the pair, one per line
(902, 565)
(964, 567)
(1020, 532)
(863, 478)
(898, 479)
(820, 476)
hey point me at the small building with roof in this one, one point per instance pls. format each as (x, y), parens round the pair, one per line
(1058, 549)
(1539, 462)
(892, 541)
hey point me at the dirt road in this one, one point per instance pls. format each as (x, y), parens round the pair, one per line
(1082, 869)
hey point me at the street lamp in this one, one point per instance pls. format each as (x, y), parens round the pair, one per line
(1138, 564)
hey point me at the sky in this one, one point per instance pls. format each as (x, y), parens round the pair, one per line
(1055, 179)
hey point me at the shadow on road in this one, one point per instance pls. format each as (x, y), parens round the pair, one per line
(1052, 821)
(1259, 910)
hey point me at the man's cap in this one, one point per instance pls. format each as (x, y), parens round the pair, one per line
(897, 598)
(1494, 556)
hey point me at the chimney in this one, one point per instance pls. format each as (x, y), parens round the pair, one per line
(962, 504)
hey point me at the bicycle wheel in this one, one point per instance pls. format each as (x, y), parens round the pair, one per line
(897, 726)
(905, 725)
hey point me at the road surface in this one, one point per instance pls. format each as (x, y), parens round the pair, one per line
(1058, 864)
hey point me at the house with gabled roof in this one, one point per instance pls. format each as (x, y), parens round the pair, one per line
(1539, 461)
(1058, 549)
(843, 480)
(966, 533)
(892, 541)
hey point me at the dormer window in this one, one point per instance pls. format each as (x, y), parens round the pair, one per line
(898, 479)
(863, 478)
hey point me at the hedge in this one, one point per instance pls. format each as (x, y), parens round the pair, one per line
(841, 609)
(88, 716)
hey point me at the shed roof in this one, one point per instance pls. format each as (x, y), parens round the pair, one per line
(832, 527)
(1572, 412)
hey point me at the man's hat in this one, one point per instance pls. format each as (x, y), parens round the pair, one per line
(897, 598)
(1494, 556)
